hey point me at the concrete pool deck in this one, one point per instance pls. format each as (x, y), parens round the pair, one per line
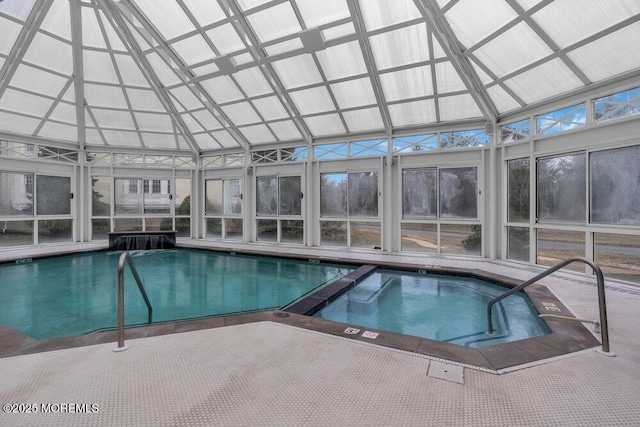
(269, 373)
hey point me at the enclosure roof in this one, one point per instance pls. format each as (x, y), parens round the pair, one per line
(203, 75)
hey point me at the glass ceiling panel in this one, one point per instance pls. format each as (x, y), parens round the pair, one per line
(50, 53)
(207, 119)
(10, 32)
(206, 12)
(104, 96)
(169, 19)
(17, 8)
(98, 67)
(186, 98)
(21, 102)
(243, 58)
(458, 107)
(91, 32)
(297, 71)
(286, 130)
(93, 137)
(205, 141)
(517, 47)
(447, 79)
(162, 70)
(225, 139)
(205, 69)
(145, 100)
(252, 82)
(472, 21)
(59, 131)
(226, 39)
(343, 60)
(270, 108)
(241, 113)
(65, 113)
(528, 4)
(58, 19)
(129, 71)
(249, 4)
(121, 138)
(570, 21)
(616, 53)
(315, 13)
(403, 46)
(363, 120)
(353, 93)
(338, 31)
(545, 81)
(315, 100)
(258, 134)
(328, 124)
(484, 77)
(113, 118)
(502, 100)
(274, 22)
(154, 122)
(159, 140)
(36, 80)
(112, 36)
(191, 123)
(413, 113)
(222, 89)
(409, 83)
(286, 46)
(20, 124)
(193, 50)
(383, 13)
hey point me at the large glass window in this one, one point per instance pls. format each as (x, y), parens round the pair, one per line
(183, 207)
(16, 193)
(618, 255)
(555, 246)
(279, 197)
(458, 193)
(562, 188)
(518, 190)
(615, 186)
(419, 193)
(223, 209)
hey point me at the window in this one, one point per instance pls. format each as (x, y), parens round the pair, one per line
(279, 197)
(518, 190)
(617, 106)
(562, 188)
(223, 209)
(561, 120)
(419, 193)
(516, 131)
(133, 186)
(458, 193)
(155, 186)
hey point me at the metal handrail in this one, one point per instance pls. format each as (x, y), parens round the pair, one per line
(126, 257)
(601, 298)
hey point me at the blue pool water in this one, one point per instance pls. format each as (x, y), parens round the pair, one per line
(438, 307)
(71, 295)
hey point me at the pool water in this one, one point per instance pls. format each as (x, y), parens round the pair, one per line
(71, 295)
(443, 308)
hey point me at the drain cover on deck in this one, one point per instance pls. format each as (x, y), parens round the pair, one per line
(446, 371)
(281, 314)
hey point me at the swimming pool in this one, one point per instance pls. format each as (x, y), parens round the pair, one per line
(444, 308)
(75, 294)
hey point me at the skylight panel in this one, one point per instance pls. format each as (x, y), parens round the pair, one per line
(316, 13)
(159, 140)
(242, 59)
(70, 94)
(328, 124)
(225, 139)
(545, 81)
(274, 22)
(16, 123)
(258, 134)
(252, 82)
(104, 96)
(412, 113)
(285, 130)
(241, 113)
(50, 53)
(145, 100)
(472, 21)
(250, 4)
(64, 112)
(383, 13)
(113, 38)
(297, 71)
(205, 141)
(10, 32)
(91, 31)
(570, 21)
(502, 100)
(21, 102)
(353, 93)
(447, 78)
(222, 89)
(186, 98)
(528, 4)
(343, 60)
(93, 137)
(315, 100)
(192, 123)
(363, 120)
(58, 19)
(154, 122)
(166, 75)
(225, 39)
(616, 53)
(409, 83)
(207, 119)
(114, 119)
(403, 46)
(129, 71)
(270, 108)
(36, 80)
(59, 131)
(516, 48)
(17, 8)
(193, 50)
(205, 12)
(285, 46)
(338, 31)
(169, 19)
(484, 77)
(98, 67)
(458, 107)
(121, 138)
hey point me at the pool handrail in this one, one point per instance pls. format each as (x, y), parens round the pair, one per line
(126, 257)
(601, 297)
